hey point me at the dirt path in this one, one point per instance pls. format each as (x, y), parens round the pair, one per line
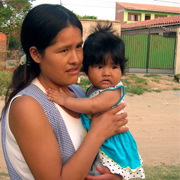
(154, 121)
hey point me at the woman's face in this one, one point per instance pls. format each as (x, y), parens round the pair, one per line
(61, 62)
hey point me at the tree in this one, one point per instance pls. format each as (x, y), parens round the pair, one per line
(86, 17)
(12, 13)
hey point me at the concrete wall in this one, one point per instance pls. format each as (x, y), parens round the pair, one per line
(177, 55)
(88, 25)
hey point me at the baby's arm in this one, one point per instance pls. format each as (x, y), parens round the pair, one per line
(102, 102)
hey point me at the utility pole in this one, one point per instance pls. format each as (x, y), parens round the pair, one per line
(60, 2)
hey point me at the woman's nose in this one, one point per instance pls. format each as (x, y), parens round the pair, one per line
(74, 58)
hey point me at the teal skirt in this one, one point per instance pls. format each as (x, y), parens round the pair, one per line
(119, 153)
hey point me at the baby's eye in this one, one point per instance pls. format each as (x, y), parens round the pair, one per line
(98, 67)
(114, 67)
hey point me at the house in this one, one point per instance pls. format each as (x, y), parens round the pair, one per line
(153, 46)
(132, 12)
(158, 26)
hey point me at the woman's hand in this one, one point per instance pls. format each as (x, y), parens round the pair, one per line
(106, 175)
(109, 123)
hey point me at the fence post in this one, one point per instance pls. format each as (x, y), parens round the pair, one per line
(148, 50)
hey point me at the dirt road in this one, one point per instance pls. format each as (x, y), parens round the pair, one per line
(154, 121)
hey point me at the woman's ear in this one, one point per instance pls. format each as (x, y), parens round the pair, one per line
(35, 54)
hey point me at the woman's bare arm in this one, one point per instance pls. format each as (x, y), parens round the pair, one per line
(102, 102)
(39, 146)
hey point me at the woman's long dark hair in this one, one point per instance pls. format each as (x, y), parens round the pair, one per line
(40, 28)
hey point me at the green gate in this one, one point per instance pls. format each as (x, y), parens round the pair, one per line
(146, 51)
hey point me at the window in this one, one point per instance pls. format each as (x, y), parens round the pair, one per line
(134, 17)
(147, 17)
(169, 34)
(157, 16)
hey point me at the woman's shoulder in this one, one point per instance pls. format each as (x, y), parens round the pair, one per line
(77, 90)
(23, 102)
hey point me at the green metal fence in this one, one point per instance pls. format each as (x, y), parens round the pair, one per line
(136, 50)
(161, 54)
(148, 51)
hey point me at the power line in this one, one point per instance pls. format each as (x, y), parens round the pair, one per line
(89, 5)
(168, 1)
(95, 2)
(102, 4)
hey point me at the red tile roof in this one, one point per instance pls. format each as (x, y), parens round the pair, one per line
(149, 7)
(163, 20)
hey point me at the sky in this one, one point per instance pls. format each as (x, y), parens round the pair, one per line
(103, 9)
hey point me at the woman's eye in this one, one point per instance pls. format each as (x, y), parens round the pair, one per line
(79, 46)
(63, 51)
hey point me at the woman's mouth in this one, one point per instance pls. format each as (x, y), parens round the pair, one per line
(73, 71)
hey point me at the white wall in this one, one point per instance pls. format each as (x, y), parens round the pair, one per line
(177, 55)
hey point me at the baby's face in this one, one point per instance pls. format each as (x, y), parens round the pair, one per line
(106, 75)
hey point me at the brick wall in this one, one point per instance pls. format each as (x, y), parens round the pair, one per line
(3, 41)
(119, 13)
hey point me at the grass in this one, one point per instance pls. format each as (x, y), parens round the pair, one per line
(4, 176)
(176, 89)
(138, 85)
(161, 172)
(133, 84)
(156, 78)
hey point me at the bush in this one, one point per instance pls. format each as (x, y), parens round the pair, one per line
(5, 80)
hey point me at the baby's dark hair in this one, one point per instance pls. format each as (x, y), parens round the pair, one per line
(99, 44)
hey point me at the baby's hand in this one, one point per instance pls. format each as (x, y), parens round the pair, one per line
(58, 97)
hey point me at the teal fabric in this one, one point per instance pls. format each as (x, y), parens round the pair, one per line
(121, 148)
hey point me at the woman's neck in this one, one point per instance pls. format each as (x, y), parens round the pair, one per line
(66, 89)
(47, 84)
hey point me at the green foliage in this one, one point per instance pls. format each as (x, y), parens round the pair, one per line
(5, 79)
(84, 84)
(86, 17)
(12, 13)
(14, 43)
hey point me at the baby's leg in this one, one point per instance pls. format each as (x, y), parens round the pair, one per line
(96, 163)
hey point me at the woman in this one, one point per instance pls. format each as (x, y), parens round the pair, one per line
(40, 139)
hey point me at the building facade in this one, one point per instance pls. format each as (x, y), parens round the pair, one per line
(132, 12)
